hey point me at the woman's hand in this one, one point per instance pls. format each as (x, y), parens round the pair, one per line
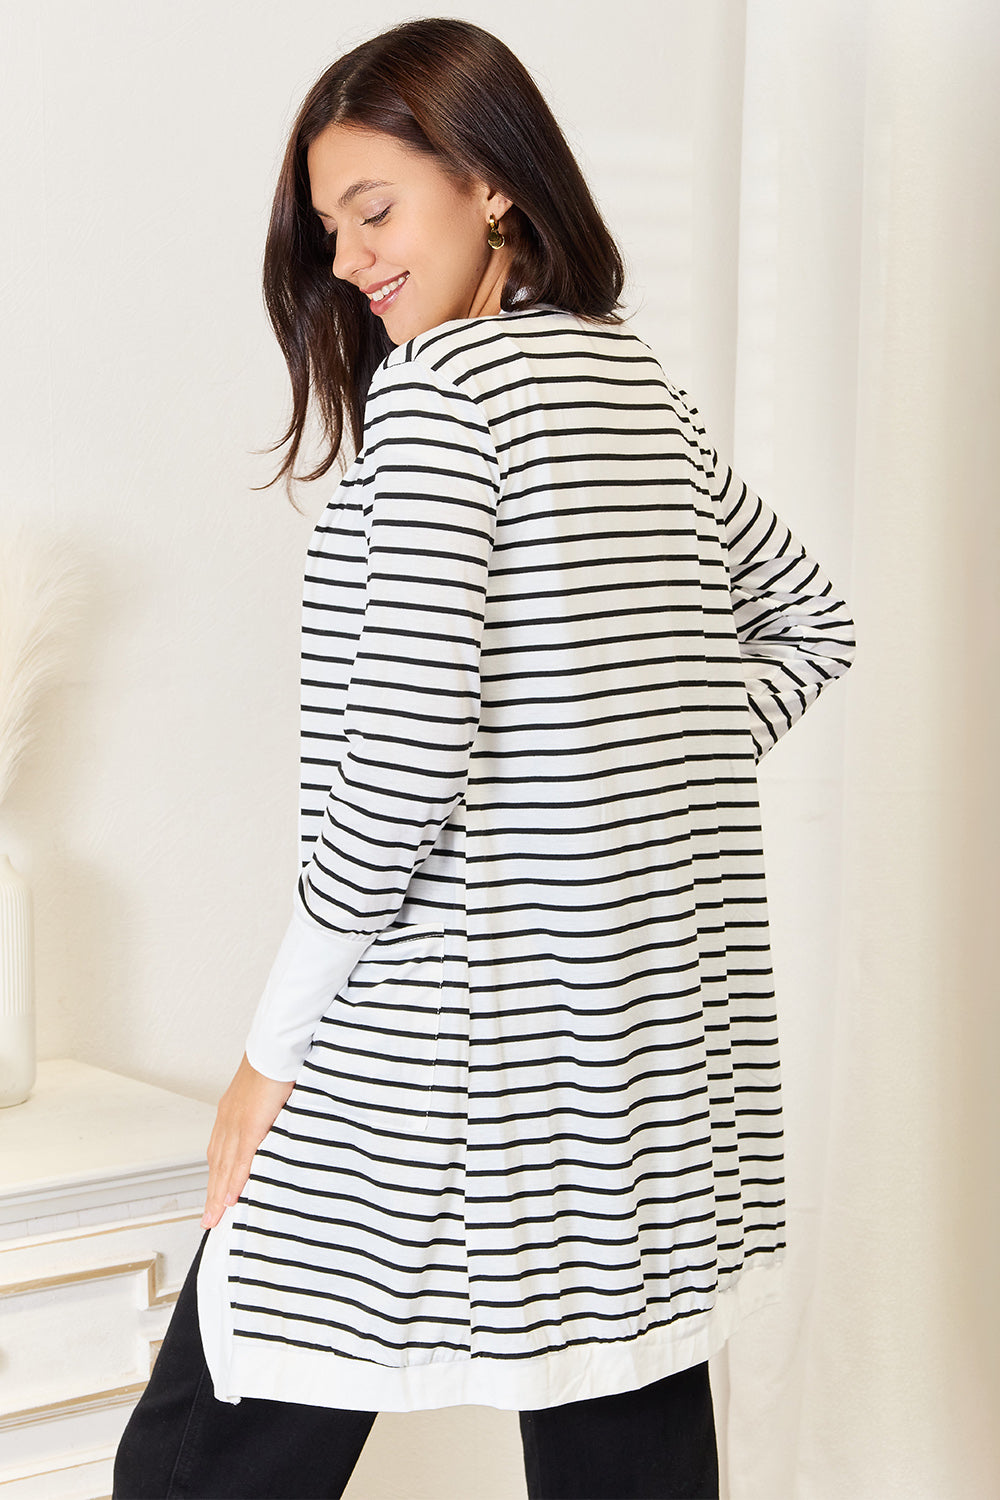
(246, 1112)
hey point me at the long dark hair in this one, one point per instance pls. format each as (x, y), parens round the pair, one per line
(451, 90)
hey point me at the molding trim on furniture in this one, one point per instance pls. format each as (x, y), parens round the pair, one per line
(97, 1273)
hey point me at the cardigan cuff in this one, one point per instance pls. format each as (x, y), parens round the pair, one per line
(312, 965)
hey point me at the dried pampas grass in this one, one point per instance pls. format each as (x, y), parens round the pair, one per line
(38, 599)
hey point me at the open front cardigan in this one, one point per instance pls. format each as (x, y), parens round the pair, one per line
(533, 1152)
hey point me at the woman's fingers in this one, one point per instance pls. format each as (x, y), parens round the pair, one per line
(221, 1164)
(246, 1112)
(228, 1171)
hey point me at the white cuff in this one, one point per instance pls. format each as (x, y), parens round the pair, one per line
(311, 966)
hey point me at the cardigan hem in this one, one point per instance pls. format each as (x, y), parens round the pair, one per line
(311, 1377)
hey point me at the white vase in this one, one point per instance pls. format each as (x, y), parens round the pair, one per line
(17, 988)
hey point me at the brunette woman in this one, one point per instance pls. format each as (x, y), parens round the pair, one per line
(507, 1130)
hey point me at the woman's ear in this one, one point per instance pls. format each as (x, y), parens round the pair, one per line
(495, 202)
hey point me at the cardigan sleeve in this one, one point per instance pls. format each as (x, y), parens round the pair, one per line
(795, 633)
(431, 480)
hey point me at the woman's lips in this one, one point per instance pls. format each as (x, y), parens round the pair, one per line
(380, 304)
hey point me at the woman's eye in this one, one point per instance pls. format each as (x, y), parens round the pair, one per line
(330, 235)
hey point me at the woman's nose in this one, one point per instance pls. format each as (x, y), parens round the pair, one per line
(350, 256)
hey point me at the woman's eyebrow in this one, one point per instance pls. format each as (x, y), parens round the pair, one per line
(353, 192)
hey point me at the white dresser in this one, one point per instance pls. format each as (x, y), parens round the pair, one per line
(102, 1183)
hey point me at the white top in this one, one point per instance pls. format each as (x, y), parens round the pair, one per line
(533, 1153)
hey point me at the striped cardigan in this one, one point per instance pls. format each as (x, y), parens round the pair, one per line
(533, 1152)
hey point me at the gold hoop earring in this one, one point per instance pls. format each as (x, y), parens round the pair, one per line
(494, 239)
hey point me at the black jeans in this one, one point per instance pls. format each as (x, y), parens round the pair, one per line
(656, 1443)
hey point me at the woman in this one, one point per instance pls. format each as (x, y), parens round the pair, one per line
(507, 1130)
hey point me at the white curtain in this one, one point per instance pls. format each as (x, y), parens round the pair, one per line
(868, 394)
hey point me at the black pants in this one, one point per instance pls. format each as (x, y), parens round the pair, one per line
(656, 1443)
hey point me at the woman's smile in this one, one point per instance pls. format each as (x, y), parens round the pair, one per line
(384, 294)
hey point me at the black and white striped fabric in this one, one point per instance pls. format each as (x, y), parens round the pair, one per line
(534, 1149)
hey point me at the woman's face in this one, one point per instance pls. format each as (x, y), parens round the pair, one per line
(396, 214)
